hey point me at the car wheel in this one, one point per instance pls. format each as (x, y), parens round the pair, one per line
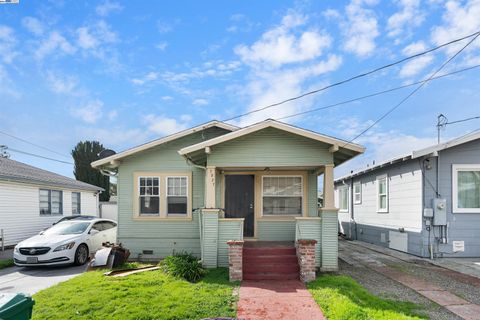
(81, 255)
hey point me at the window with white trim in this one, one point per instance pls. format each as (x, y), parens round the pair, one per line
(357, 192)
(343, 198)
(76, 203)
(177, 195)
(149, 195)
(282, 195)
(466, 188)
(51, 202)
(382, 193)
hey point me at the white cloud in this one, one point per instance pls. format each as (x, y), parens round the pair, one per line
(360, 28)
(241, 23)
(112, 115)
(162, 46)
(7, 44)
(407, 18)
(108, 7)
(85, 39)
(149, 77)
(53, 44)
(200, 102)
(33, 25)
(114, 136)
(62, 84)
(92, 37)
(279, 45)
(164, 27)
(7, 86)
(90, 112)
(166, 98)
(415, 66)
(164, 126)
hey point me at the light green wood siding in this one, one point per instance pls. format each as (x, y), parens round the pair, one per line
(270, 147)
(210, 239)
(162, 236)
(329, 240)
(276, 230)
(227, 230)
(311, 230)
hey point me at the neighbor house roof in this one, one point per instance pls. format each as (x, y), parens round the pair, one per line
(163, 140)
(432, 150)
(337, 145)
(11, 170)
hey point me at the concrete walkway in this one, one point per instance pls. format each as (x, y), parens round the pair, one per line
(276, 299)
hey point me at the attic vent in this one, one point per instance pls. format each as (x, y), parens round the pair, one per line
(147, 251)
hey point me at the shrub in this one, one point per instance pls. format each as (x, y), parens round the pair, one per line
(183, 265)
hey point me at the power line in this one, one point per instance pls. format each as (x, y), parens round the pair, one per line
(375, 94)
(414, 91)
(33, 144)
(352, 78)
(463, 120)
(39, 156)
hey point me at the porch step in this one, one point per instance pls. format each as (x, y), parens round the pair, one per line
(271, 276)
(283, 268)
(259, 259)
(264, 251)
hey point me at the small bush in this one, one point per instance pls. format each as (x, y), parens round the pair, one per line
(183, 265)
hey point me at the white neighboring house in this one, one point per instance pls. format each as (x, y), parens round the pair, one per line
(32, 199)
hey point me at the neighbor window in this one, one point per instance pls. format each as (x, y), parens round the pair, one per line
(343, 198)
(382, 193)
(149, 194)
(282, 195)
(357, 192)
(466, 188)
(75, 202)
(177, 195)
(51, 202)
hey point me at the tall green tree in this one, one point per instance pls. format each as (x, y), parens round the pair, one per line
(84, 153)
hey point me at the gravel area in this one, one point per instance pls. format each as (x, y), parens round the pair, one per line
(384, 287)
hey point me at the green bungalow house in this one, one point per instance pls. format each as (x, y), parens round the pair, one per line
(195, 190)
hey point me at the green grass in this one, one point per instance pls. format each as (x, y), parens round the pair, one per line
(342, 298)
(143, 296)
(6, 263)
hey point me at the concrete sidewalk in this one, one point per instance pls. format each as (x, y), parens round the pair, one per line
(276, 299)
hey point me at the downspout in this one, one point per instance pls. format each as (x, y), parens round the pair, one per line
(352, 216)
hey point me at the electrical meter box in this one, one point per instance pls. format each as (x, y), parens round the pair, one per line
(439, 212)
(428, 212)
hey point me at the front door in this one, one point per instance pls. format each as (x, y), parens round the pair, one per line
(239, 196)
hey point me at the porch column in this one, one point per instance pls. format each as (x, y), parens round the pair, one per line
(329, 221)
(328, 187)
(210, 201)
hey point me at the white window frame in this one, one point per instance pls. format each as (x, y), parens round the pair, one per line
(302, 196)
(50, 202)
(139, 196)
(355, 184)
(377, 186)
(455, 169)
(79, 202)
(346, 189)
(166, 196)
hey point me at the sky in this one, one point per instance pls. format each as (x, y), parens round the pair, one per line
(127, 72)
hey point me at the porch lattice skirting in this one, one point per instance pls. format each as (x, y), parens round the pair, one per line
(306, 259)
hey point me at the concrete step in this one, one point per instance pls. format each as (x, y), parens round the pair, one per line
(284, 258)
(283, 268)
(270, 276)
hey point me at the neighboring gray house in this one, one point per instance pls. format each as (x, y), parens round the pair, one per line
(31, 199)
(426, 203)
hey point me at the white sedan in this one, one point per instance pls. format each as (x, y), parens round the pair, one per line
(66, 242)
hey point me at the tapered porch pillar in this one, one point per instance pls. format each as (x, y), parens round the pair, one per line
(210, 201)
(328, 187)
(329, 215)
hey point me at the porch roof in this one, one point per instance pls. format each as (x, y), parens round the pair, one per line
(342, 150)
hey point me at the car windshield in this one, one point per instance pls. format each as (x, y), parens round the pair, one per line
(67, 227)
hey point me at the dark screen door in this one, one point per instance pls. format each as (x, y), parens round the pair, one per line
(239, 200)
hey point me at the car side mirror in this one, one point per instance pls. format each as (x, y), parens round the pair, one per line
(93, 232)
(41, 232)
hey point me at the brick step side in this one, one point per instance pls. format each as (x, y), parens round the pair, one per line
(270, 276)
(271, 268)
(270, 258)
(269, 251)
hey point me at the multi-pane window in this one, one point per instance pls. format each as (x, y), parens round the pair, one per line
(76, 203)
(466, 188)
(357, 192)
(177, 195)
(51, 202)
(343, 198)
(282, 195)
(149, 194)
(382, 194)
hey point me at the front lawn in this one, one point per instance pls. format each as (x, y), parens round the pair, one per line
(6, 263)
(147, 295)
(342, 298)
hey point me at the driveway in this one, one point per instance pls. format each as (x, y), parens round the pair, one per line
(32, 280)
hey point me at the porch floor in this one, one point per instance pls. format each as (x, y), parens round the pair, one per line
(268, 244)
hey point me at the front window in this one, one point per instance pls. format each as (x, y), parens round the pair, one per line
(50, 202)
(282, 195)
(466, 188)
(177, 195)
(382, 194)
(75, 202)
(149, 194)
(343, 197)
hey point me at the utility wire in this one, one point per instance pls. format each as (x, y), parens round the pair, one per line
(378, 93)
(462, 120)
(413, 92)
(352, 78)
(38, 156)
(33, 144)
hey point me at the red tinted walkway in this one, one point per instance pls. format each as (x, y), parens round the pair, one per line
(276, 299)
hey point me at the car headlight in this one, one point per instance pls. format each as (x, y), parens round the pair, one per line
(16, 250)
(66, 246)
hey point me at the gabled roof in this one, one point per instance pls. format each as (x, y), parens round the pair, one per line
(337, 144)
(11, 170)
(432, 150)
(163, 140)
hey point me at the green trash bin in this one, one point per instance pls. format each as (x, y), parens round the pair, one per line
(15, 306)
